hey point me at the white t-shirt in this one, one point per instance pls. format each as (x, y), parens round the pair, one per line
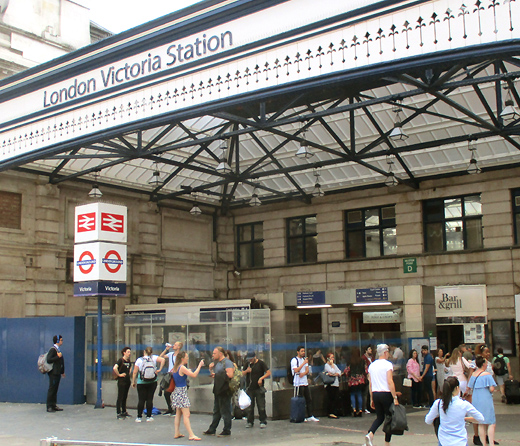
(171, 360)
(299, 381)
(377, 371)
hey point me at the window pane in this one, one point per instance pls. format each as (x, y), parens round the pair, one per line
(372, 243)
(388, 213)
(433, 210)
(517, 229)
(295, 251)
(434, 239)
(258, 251)
(472, 206)
(389, 241)
(354, 217)
(244, 233)
(295, 226)
(311, 245)
(372, 217)
(259, 231)
(474, 233)
(454, 236)
(245, 256)
(355, 244)
(310, 225)
(453, 208)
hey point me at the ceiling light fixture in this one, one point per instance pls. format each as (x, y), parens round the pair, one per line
(255, 201)
(223, 166)
(473, 167)
(95, 192)
(195, 210)
(156, 179)
(304, 152)
(510, 112)
(317, 191)
(391, 179)
(397, 133)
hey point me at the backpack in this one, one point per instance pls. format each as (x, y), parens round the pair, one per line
(148, 370)
(234, 383)
(290, 372)
(500, 366)
(43, 366)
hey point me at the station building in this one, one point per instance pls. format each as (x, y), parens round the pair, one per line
(352, 170)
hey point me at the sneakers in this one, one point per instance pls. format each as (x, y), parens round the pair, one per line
(120, 416)
(149, 419)
(368, 440)
(262, 425)
(208, 433)
(312, 418)
(138, 420)
(249, 425)
(125, 414)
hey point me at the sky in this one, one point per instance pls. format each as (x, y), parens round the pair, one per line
(119, 15)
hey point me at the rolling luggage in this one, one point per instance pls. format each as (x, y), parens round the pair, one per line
(512, 391)
(297, 408)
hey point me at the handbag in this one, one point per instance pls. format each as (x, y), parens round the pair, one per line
(244, 401)
(396, 422)
(171, 387)
(327, 379)
(407, 382)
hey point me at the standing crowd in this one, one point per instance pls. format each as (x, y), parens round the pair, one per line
(463, 382)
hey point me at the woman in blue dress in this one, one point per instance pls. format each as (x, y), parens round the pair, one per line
(483, 385)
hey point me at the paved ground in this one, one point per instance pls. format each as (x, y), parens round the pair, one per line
(27, 424)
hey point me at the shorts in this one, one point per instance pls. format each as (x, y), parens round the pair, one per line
(499, 379)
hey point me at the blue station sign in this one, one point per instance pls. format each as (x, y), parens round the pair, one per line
(99, 288)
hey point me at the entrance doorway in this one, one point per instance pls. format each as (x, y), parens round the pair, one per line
(310, 322)
(450, 336)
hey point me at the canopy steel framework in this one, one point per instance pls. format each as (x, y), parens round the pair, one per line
(449, 105)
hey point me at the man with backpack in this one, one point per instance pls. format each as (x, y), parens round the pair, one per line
(146, 382)
(300, 370)
(501, 369)
(176, 348)
(55, 358)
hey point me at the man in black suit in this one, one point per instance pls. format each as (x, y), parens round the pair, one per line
(55, 357)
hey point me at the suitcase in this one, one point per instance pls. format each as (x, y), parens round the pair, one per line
(297, 408)
(512, 391)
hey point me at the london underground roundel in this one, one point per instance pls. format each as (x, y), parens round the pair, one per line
(112, 261)
(86, 262)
